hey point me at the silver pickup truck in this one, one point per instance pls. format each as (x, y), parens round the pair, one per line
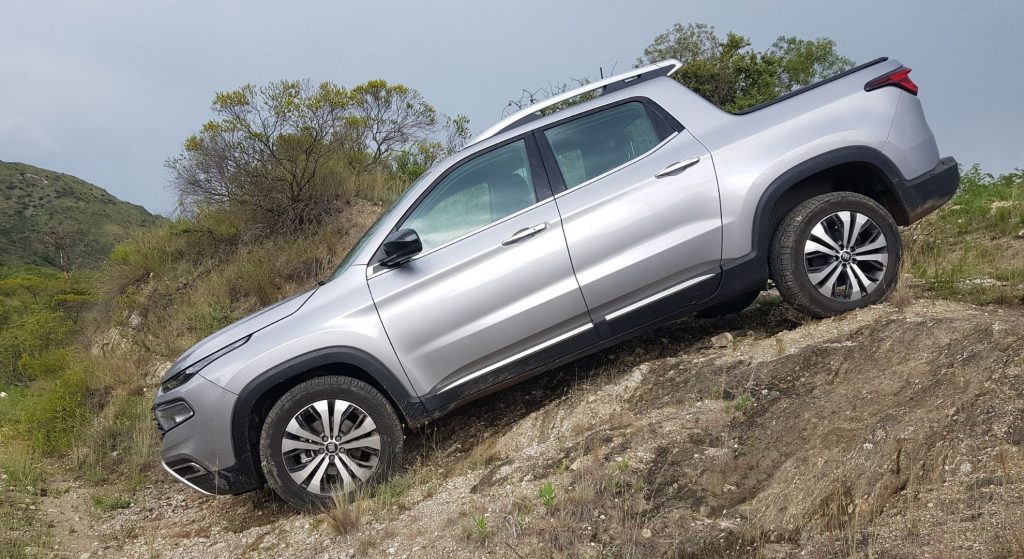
(553, 234)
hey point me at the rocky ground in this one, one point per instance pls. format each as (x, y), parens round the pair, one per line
(894, 431)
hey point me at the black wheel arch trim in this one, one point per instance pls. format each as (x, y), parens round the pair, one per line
(912, 199)
(763, 220)
(408, 406)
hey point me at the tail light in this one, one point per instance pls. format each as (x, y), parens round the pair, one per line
(900, 77)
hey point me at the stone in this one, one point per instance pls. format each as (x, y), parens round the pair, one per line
(722, 340)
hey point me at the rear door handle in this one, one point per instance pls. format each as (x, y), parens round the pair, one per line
(677, 167)
(524, 234)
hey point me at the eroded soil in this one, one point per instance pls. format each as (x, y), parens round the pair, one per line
(887, 432)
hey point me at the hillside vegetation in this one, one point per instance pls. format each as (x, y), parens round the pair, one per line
(45, 214)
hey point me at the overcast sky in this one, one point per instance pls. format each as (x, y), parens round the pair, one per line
(108, 90)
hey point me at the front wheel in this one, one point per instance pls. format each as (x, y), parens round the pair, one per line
(834, 253)
(329, 436)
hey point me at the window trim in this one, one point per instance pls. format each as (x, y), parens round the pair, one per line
(664, 126)
(541, 186)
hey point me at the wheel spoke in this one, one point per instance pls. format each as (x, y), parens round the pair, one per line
(830, 284)
(882, 258)
(315, 483)
(819, 233)
(853, 288)
(864, 279)
(362, 472)
(820, 275)
(811, 247)
(368, 426)
(372, 441)
(874, 245)
(347, 483)
(288, 445)
(858, 228)
(325, 417)
(846, 218)
(340, 410)
(297, 430)
(301, 475)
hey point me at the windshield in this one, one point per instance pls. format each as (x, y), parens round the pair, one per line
(373, 228)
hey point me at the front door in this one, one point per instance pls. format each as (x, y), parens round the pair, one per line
(640, 210)
(493, 293)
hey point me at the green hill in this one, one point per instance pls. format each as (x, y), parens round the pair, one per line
(44, 214)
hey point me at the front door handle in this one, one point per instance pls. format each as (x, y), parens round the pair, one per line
(677, 167)
(524, 234)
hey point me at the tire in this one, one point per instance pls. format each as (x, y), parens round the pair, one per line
(357, 467)
(819, 280)
(731, 306)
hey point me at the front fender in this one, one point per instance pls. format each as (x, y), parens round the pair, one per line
(261, 392)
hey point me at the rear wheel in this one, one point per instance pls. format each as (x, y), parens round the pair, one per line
(836, 252)
(329, 436)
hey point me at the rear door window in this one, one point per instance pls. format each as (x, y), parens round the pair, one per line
(592, 145)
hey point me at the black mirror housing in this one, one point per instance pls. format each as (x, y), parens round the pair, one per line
(400, 247)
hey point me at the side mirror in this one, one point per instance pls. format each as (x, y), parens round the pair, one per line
(401, 246)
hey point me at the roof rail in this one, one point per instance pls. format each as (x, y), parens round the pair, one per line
(607, 85)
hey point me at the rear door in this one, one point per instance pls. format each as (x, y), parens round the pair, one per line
(492, 294)
(640, 209)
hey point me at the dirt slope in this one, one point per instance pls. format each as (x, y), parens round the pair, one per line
(893, 432)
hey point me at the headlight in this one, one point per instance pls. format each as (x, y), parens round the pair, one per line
(183, 376)
(172, 414)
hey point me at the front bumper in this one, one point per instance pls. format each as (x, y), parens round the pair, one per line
(927, 193)
(198, 452)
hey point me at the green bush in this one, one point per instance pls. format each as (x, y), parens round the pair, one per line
(45, 365)
(58, 411)
(27, 339)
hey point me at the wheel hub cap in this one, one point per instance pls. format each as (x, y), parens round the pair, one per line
(331, 446)
(846, 256)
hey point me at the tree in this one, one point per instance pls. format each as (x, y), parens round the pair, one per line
(278, 153)
(388, 119)
(264, 153)
(67, 245)
(731, 74)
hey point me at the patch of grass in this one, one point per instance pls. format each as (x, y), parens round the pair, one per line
(971, 250)
(547, 495)
(741, 402)
(22, 467)
(121, 442)
(108, 502)
(389, 494)
(478, 529)
(23, 533)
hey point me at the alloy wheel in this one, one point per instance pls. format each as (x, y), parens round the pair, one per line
(846, 255)
(330, 447)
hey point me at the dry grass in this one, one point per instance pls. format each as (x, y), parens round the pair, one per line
(346, 513)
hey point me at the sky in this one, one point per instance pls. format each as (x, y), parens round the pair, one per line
(107, 91)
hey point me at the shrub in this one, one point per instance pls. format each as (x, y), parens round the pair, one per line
(27, 339)
(58, 412)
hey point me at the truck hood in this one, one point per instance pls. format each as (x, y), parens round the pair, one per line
(248, 325)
